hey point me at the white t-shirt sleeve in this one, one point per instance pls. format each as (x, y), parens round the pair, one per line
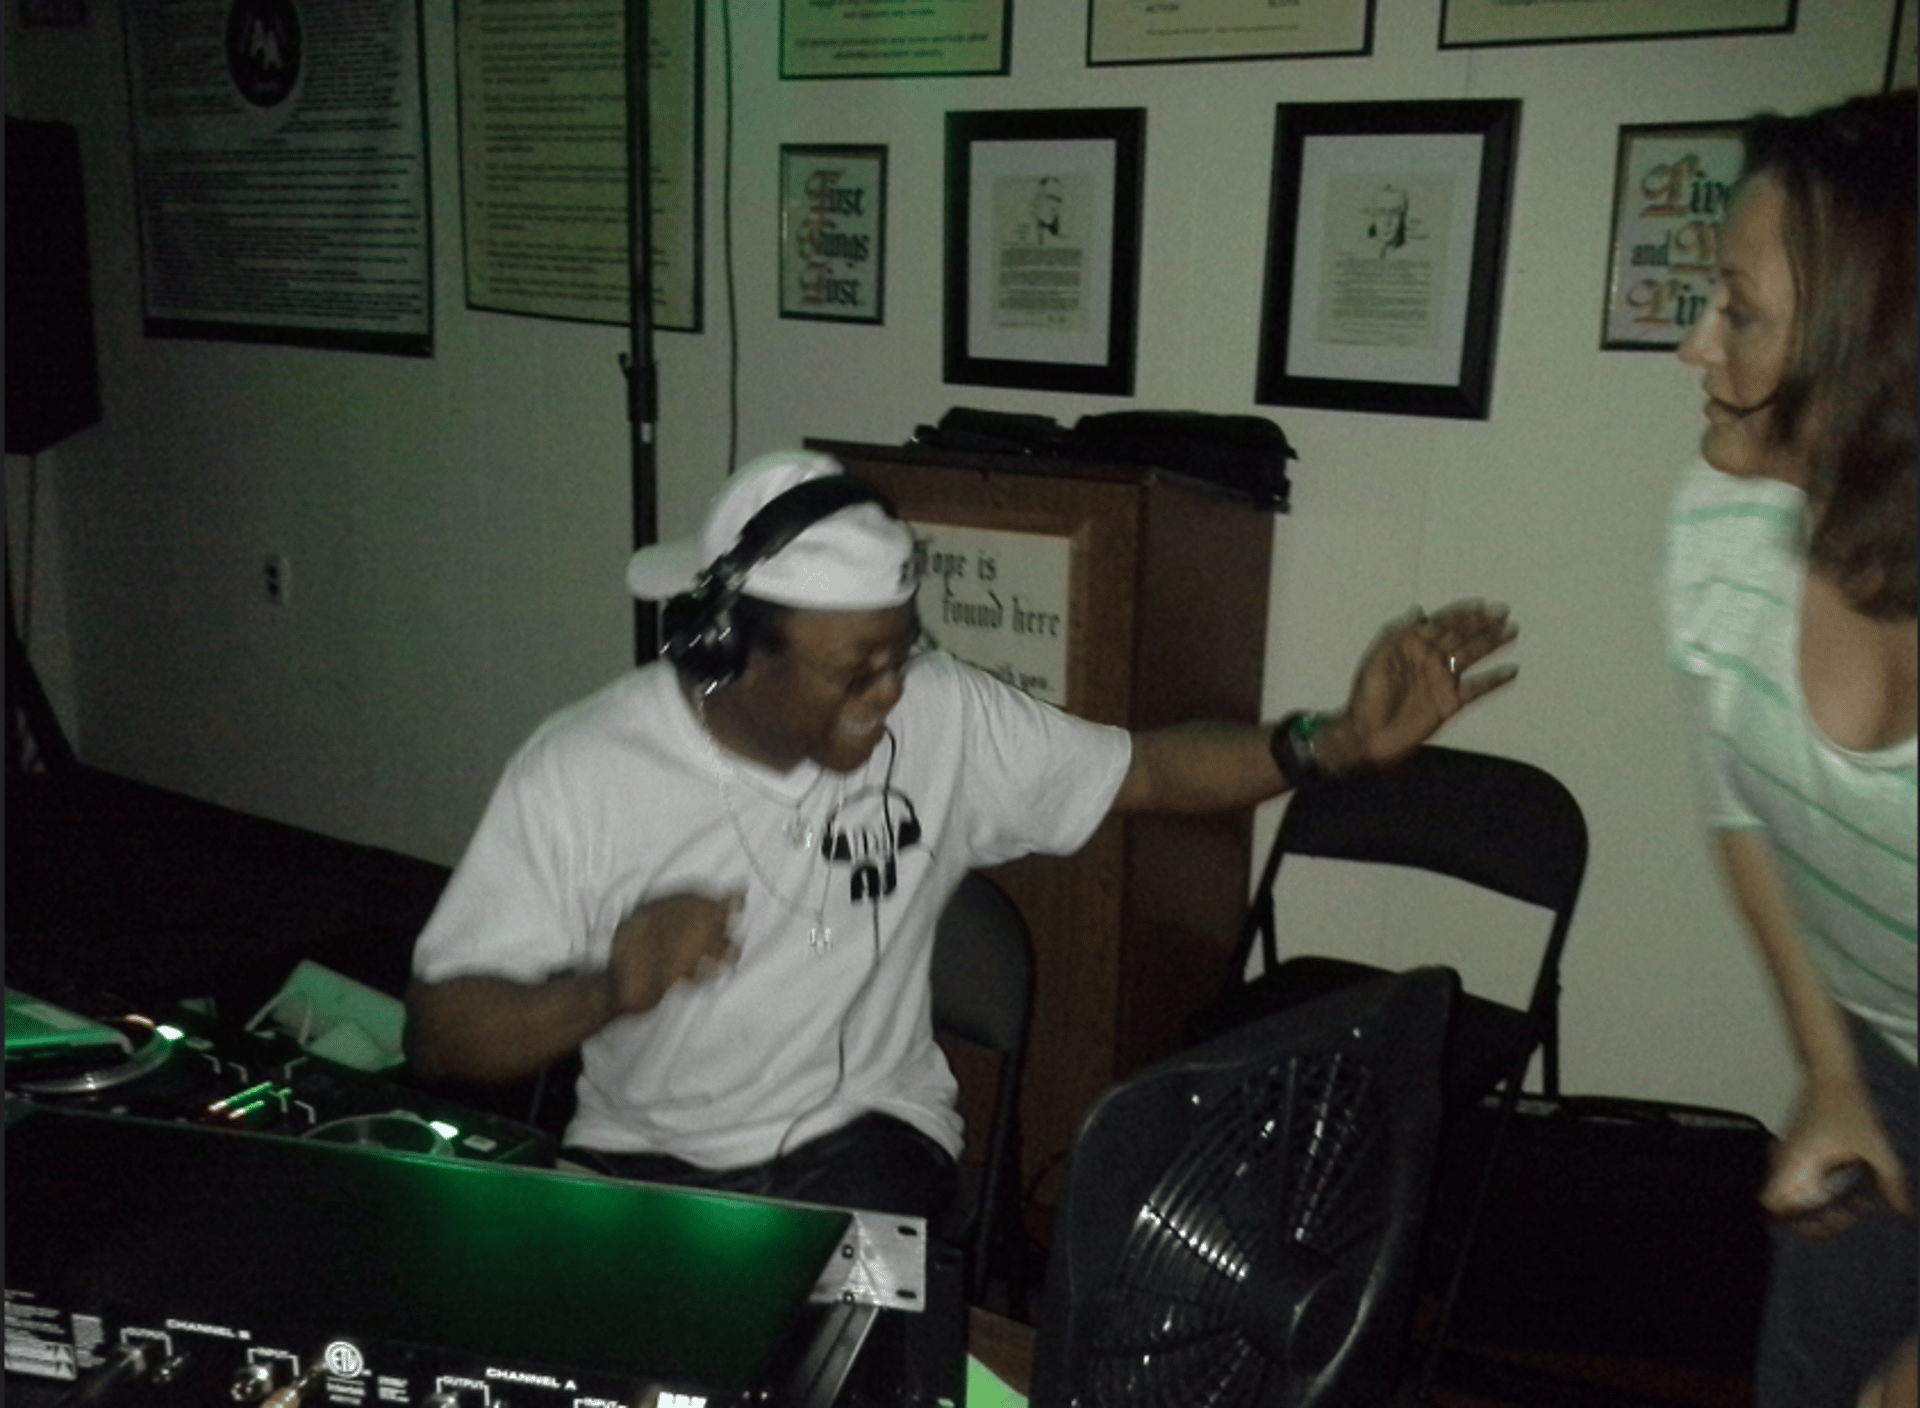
(509, 909)
(1038, 780)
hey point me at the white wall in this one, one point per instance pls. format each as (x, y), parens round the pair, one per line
(457, 526)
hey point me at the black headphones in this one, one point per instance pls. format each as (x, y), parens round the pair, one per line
(697, 627)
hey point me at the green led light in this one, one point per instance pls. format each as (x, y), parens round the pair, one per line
(445, 1130)
(170, 1033)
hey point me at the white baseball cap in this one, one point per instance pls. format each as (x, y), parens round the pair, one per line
(857, 559)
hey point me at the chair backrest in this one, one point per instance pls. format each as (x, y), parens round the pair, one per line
(1494, 822)
(983, 968)
(983, 995)
(1246, 1217)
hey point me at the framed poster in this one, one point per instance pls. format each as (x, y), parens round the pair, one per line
(1468, 24)
(1671, 187)
(833, 225)
(1043, 248)
(1384, 255)
(544, 160)
(844, 39)
(1174, 31)
(280, 160)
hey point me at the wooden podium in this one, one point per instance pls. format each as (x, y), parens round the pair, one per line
(1163, 620)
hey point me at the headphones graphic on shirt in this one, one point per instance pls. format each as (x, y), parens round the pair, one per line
(697, 627)
(874, 870)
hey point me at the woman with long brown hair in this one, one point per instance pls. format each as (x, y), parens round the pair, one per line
(1791, 612)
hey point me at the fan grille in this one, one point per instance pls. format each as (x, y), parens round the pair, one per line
(1287, 1167)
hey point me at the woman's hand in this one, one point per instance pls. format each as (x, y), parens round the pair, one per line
(1833, 1126)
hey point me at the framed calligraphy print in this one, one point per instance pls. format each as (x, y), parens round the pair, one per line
(1671, 188)
(833, 227)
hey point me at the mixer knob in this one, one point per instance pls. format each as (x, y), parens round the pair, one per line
(251, 1383)
(295, 1393)
(127, 1365)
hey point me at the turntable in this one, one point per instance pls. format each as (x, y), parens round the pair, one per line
(37, 1029)
(182, 1065)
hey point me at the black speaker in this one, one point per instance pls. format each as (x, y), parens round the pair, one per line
(53, 376)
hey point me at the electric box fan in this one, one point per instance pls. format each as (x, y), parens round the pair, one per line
(1242, 1222)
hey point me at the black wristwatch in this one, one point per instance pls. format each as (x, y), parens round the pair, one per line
(1293, 748)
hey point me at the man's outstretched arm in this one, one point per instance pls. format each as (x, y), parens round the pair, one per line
(1412, 679)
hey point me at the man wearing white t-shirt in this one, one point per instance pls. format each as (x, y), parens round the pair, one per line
(718, 878)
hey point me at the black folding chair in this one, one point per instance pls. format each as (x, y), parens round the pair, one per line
(983, 995)
(1493, 822)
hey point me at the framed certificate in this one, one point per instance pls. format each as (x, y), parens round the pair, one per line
(826, 39)
(1384, 255)
(1175, 31)
(1468, 24)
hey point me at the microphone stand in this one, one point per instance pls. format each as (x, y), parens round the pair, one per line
(638, 364)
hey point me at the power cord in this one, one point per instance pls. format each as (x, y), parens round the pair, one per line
(873, 969)
(840, 1045)
(726, 236)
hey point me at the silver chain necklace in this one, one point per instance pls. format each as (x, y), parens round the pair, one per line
(796, 829)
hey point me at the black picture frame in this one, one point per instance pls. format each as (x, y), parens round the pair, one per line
(1067, 315)
(833, 232)
(1500, 25)
(1383, 289)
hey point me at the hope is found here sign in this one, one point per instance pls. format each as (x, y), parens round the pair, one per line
(999, 600)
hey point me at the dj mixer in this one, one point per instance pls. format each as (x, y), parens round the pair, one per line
(198, 1220)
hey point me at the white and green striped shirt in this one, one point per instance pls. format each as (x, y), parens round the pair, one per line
(1841, 823)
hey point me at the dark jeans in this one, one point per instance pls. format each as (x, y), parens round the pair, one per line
(1838, 1306)
(875, 1164)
